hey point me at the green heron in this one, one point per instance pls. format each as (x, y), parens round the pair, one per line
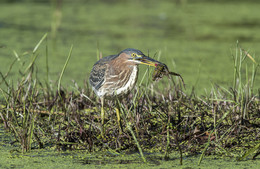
(116, 75)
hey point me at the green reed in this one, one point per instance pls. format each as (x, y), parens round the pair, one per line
(240, 96)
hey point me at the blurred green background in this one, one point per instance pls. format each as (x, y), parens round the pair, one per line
(194, 38)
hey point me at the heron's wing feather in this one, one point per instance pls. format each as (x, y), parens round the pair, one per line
(97, 75)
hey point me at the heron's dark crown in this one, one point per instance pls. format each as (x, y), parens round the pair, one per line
(129, 51)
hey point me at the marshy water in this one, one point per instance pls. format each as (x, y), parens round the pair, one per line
(196, 39)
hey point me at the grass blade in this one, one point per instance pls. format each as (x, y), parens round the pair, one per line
(136, 142)
(39, 43)
(249, 152)
(64, 67)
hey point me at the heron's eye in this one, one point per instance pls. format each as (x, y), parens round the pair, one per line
(133, 55)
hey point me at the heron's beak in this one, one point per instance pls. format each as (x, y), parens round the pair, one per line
(147, 60)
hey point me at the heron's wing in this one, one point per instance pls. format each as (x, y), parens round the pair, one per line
(97, 75)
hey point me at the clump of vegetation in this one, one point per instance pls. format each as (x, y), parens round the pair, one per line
(226, 122)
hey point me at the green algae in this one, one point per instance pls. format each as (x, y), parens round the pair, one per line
(73, 159)
(49, 158)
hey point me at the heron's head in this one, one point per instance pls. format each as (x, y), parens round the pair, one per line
(135, 56)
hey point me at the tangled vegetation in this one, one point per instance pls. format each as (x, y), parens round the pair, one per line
(226, 122)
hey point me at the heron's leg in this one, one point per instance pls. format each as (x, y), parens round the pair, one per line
(102, 117)
(118, 117)
(102, 111)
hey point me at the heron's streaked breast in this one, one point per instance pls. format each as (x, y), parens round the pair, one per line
(119, 85)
